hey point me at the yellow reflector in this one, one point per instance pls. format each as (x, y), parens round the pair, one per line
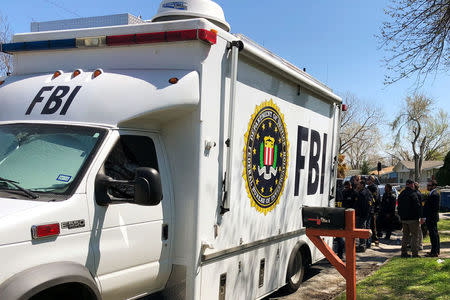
(213, 31)
(173, 80)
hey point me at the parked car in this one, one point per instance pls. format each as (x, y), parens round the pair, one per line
(364, 177)
(381, 190)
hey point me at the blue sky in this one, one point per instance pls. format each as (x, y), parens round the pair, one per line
(334, 40)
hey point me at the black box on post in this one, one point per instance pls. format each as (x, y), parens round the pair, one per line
(324, 217)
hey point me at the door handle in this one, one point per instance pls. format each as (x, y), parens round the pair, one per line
(165, 232)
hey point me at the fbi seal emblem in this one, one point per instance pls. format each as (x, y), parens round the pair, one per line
(266, 157)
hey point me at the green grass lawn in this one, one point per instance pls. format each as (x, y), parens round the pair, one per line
(443, 225)
(406, 279)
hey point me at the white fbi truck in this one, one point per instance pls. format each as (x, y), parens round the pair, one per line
(163, 156)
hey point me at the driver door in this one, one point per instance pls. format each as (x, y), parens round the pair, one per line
(131, 243)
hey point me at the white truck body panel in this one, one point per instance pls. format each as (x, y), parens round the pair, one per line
(124, 246)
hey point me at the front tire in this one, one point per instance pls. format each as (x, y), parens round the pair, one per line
(295, 270)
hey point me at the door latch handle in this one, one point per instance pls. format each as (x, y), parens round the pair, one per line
(165, 232)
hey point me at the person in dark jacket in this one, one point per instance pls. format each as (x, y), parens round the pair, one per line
(419, 195)
(355, 180)
(374, 210)
(349, 195)
(410, 211)
(432, 218)
(345, 199)
(362, 211)
(387, 211)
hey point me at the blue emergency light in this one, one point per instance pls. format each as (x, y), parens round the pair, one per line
(39, 45)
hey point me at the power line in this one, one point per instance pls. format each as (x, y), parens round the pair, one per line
(62, 7)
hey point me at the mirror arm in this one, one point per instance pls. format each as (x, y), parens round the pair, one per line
(106, 182)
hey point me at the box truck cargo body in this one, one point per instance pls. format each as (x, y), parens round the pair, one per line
(167, 156)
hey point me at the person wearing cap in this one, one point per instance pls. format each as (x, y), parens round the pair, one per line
(410, 211)
(431, 214)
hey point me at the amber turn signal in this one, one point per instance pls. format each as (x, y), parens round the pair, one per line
(173, 80)
(97, 73)
(56, 74)
(76, 73)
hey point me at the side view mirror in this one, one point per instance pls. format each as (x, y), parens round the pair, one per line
(147, 188)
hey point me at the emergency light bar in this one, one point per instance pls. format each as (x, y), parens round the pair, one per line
(209, 37)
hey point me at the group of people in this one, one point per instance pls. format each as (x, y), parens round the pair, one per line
(414, 211)
(379, 213)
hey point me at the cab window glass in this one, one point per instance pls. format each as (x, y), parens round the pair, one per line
(130, 152)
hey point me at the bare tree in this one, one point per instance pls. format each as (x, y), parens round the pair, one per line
(5, 36)
(437, 131)
(360, 137)
(426, 133)
(364, 148)
(417, 38)
(398, 151)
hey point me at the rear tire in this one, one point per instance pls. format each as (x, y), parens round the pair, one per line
(295, 270)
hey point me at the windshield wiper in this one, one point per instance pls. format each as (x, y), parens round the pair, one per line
(16, 184)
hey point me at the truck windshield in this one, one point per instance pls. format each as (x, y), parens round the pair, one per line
(45, 158)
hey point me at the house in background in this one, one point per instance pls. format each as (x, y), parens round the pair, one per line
(405, 170)
(387, 175)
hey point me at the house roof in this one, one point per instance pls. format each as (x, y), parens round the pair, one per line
(426, 165)
(384, 171)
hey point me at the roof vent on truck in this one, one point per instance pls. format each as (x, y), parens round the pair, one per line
(177, 10)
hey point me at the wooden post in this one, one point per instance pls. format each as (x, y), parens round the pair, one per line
(347, 269)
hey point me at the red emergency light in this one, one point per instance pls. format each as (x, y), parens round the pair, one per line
(159, 37)
(40, 231)
(344, 107)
